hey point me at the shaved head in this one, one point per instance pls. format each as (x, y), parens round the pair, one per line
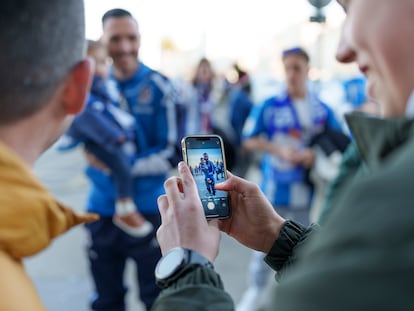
(40, 41)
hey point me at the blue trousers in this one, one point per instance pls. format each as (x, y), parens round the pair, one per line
(108, 251)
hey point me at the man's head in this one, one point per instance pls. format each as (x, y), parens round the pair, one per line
(205, 156)
(40, 41)
(296, 65)
(382, 46)
(41, 64)
(122, 38)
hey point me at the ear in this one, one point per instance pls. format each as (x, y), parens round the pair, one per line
(77, 86)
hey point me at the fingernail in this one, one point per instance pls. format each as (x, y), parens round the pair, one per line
(180, 165)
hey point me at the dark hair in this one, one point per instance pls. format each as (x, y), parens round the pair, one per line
(243, 78)
(296, 51)
(202, 62)
(40, 42)
(116, 13)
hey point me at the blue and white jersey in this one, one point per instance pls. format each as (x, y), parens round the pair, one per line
(148, 96)
(285, 122)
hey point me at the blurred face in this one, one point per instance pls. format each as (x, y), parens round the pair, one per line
(101, 61)
(381, 43)
(204, 74)
(296, 72)
(122, 39)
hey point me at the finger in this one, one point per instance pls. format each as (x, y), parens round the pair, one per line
(162, 202)
(229, 184)
(172, 188)
(224, 224)
(188, 182)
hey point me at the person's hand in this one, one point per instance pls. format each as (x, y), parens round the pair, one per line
(95, 162)
(287, 154)
(183, 221)
(306, 157)
(253, 221)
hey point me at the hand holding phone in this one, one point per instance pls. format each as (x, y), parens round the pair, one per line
(205, 156)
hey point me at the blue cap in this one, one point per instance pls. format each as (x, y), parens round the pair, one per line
(297, 50)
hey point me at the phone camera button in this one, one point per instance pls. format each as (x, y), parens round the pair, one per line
(211, 205)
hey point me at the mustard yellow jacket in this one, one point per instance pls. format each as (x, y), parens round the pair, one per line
(29, 219)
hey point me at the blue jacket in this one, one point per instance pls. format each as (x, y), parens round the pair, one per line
(148, 96)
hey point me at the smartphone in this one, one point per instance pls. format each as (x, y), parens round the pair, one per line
(205, 156)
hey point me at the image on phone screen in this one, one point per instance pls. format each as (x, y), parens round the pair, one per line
(204, 155)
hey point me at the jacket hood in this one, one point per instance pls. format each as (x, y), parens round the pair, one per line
(377, 138)
(29, 216)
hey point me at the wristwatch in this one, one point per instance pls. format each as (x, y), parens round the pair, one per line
(175, 263)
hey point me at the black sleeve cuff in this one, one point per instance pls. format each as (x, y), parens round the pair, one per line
(200, 288)
(196, 274)
(282, 250)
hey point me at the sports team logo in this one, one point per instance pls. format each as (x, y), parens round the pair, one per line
(145, 96)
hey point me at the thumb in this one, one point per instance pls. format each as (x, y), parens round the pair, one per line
(228, 184)
(213, 223)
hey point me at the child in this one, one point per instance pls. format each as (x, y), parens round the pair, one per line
(108, 133)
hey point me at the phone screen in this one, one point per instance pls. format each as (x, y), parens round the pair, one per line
(204, 155)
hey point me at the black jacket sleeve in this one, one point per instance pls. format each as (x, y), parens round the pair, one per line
(199, 289)
(284, 251)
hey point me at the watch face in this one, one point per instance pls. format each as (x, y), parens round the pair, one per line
(169, 263)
